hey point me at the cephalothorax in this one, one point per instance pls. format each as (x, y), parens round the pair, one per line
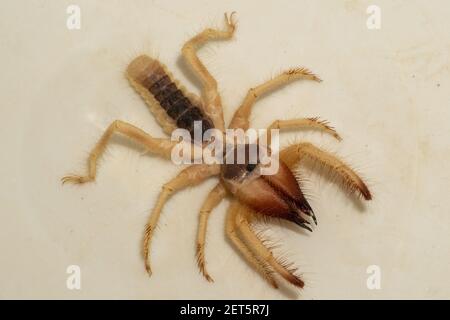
(252, 194)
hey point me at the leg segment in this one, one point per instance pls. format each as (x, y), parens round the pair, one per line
(262, 252)
(308, 123)
(214, 198)
(188, 177)
(213, 107)
(241, 116)
(295, 153)
(162, 147)
(231, 231)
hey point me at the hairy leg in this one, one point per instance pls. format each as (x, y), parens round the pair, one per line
(297, 152)
(214, 198)
(188, 177)
(162, 147)
(231, 231)
(213, 107)
(284, 269)
(241, 116)
(308, 123)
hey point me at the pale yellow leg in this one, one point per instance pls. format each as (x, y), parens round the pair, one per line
(241, 116)
(214, 198)
(157, 146)
(308, 123)
(188, 177)
(213, 107)
(261, 251)
(231, 231)
(295, 153)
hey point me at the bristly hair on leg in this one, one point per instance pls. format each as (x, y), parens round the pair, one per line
(347, 185)
(290, 267)
(274, 245)
(303, 71)
(318, 158)
(327, 125)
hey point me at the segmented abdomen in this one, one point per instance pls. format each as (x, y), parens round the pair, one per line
(152, 77)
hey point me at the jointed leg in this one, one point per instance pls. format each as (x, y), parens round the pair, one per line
(241, 116)
(295, 153)
(309, 123)
(214, 198)
(262, 251)
(188, 177)
(158, 146)
(231, 231)
(213, 106)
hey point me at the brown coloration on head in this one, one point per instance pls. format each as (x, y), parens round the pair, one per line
(277, 195)
(285, 182)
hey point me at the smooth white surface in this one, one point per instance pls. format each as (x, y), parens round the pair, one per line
(386, 92)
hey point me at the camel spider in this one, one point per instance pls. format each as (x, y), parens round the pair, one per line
(253, 195)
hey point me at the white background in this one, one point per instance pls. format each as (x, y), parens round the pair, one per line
(386, 91)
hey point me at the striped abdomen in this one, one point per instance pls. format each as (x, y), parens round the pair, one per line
(151, 79)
